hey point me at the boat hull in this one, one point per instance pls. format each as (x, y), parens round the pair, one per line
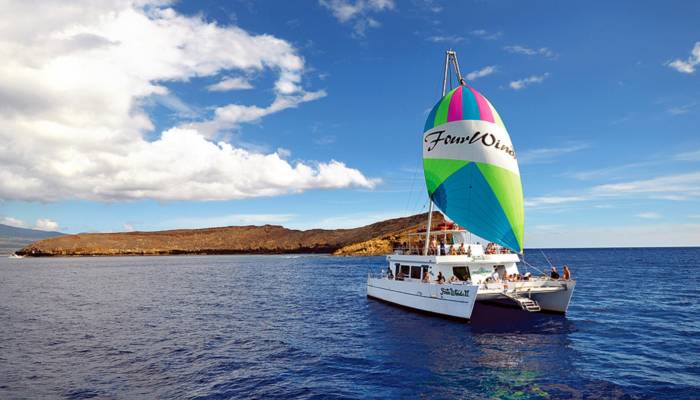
(453, 300)
(552, 296)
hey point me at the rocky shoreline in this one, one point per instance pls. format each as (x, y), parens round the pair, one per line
(376, 239)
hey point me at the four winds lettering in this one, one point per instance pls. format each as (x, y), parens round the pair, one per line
(485, 139)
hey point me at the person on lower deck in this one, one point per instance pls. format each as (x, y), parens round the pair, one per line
(554, 274)
(399, 276)
(454, 279)
(426, 277)
(440, 278)
(567, 273)
(389, 274)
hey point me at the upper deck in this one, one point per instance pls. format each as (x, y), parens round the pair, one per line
(455, 259)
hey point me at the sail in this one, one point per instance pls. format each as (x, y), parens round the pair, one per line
(470, 168)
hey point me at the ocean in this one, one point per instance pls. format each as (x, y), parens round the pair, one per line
(217, 327)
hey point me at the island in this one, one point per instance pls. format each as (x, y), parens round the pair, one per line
(376, 239)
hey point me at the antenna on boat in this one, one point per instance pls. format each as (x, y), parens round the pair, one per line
(450, 57)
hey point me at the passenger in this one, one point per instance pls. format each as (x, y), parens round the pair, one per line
(454, 279)
(461, 250)
(527, 276)
(389, 274)
(399, 276)
(495, 276)
(442, 248)
(453, 250)
(433, 247)
(554, 274)
(426, 277)
(567, 273)
(469, 250)
(440, 278)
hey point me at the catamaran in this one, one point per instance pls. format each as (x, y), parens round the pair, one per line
(472, 176)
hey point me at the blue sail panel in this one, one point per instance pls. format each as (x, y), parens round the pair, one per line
(467, 198)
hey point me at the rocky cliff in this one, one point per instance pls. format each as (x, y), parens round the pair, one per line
(375, 239)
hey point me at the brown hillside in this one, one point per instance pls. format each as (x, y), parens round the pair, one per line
(377, 238)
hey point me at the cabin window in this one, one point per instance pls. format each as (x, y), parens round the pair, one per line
(425, 269)
(462, 273)
(415, 272)
(406, 269)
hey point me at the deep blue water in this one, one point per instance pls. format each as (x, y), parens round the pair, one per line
(301, 327)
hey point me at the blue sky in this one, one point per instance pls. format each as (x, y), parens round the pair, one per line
(602, 102)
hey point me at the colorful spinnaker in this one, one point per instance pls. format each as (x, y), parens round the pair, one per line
(470, 168)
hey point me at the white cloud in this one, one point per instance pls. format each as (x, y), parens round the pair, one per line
(649, 215)
(647, 235)
(682, 109)
(230, 83)
(445, 39)
(484, 34)
(522, 83)
(688, 156)
(18, 223)
(687, 66)
(669, 187)
(358, 13)
(75, 84)
(534, 202)
(45, 224)
(542, 51)
(680, 187)
(486, 71)
(549, 154)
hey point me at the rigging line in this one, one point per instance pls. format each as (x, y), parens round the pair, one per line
(533, 267)
(545, 257)
(413, 182)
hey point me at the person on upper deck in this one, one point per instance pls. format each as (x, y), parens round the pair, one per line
(453, 250)
(460, 249)
(554, 274)
(442, 248)
(433, 247)
(567, 273)
(440, 278)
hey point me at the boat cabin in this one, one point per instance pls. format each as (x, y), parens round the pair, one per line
(454, 255)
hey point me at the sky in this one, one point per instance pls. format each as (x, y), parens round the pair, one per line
(124, 115)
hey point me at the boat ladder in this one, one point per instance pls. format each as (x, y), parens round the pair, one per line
(525, 303)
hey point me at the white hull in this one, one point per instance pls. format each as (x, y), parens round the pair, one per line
(454, 300)
(551, 295)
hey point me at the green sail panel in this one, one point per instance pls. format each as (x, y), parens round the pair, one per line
(437, 170)
(509, 192)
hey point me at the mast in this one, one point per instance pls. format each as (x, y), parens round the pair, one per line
(450, 56)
